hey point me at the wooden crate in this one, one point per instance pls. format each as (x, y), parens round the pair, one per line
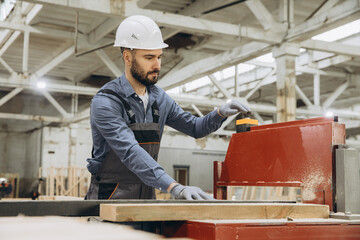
(66, 181)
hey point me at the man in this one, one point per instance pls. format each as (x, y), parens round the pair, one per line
(3, 187)
(128, 116)
(34, 191)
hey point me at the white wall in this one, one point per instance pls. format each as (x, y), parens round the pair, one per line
(66, 146)
(20, 153)
(13, 152)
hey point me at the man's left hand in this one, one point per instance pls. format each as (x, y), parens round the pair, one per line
(232, 107)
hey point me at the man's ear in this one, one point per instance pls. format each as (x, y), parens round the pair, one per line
(127, 57)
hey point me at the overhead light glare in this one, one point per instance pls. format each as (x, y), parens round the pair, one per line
(329, 114)
(41, 85)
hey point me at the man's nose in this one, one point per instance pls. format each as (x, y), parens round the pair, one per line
(157, 64)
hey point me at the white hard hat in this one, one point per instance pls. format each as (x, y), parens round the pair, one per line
(139, 32)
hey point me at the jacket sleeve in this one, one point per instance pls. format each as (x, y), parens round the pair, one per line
(187, 123)
(106, 115)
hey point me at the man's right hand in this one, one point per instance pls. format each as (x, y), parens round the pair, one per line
(189, 193)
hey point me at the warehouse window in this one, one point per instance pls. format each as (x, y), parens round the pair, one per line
(181, 174)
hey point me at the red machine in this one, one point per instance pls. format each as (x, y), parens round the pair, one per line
(293, 154)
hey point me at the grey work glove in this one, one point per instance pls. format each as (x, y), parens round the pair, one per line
(232, 107)
(189, 193)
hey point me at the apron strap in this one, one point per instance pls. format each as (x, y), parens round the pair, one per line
(129, 111)
(127, 107)
(155, 112)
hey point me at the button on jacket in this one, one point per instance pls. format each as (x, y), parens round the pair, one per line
(109, 122)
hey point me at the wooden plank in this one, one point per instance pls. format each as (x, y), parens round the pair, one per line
(44, 228)
(47, 198)
(210, 211)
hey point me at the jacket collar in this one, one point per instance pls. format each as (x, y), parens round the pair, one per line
(129, 90)
(125, 85)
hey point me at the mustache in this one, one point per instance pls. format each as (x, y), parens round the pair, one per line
(154, 71)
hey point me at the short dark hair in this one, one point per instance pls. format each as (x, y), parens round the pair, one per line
(40, 179)
(122, 49)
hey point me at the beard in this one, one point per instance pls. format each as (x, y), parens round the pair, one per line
(139, 74)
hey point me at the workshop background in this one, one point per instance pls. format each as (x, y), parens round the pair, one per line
(286, 59)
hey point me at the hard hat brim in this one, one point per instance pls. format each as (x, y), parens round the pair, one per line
(161, 46)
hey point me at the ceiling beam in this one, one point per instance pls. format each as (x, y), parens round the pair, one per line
(199, 7)
(83, 115)
(302, 96)
(52, 100)
(261, 83)
(10, 70)
(256, 78)
(33, 13)
(29, 17)
(328, 4)
(183, 99)
(263, 15)
(103, 29)
(25, 59)
(221, 88)
(31, 117)
(89, 70)
(186, 100)
(212, 64)
(17, 81)
(42, 30)
(10, 41)
(54, 62)
(332, 47)
(330, 100)
(307, 69)
(332, 61)
(196, 9)
(143, 3)
(191, 24)
(340, 14)
(191, 71)
(10, 95)
(196, 109)
(109, 63)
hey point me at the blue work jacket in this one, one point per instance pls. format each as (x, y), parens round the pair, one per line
(109, 126)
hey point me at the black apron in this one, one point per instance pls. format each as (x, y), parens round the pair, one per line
(113, 179)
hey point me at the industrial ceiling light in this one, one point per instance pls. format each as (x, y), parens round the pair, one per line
(41, 85)
(329, 114)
